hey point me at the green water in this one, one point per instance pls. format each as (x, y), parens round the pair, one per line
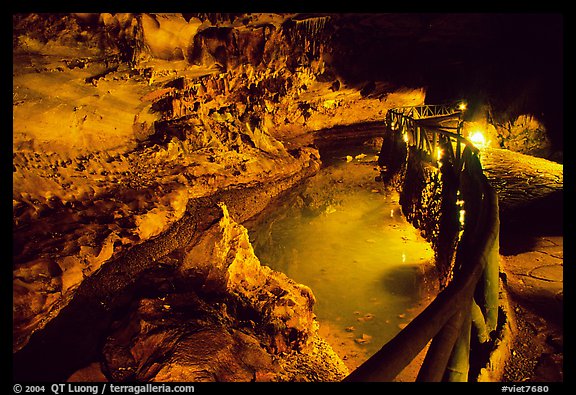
(343, 235)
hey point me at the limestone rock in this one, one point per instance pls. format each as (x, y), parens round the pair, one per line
(229, 318)
(526, 135)
(282, 308)
(169, 36)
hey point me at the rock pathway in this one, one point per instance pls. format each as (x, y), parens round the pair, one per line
(535, 285)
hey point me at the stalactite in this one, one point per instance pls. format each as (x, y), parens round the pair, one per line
(310, 34)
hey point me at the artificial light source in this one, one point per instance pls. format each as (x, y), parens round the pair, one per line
(477, 138)
(462, 106)
(439, 153)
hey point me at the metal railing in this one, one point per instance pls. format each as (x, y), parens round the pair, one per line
(433, 129)
(430, 110)
(471, 297)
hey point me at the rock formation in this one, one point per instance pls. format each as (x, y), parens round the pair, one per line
(129, 129)
(141, 143)
(220, 316)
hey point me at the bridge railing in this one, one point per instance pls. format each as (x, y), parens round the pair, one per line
(433, 129)
(471, 297)
(430, 110)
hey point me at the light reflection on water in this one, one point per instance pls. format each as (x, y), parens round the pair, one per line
(345, 237)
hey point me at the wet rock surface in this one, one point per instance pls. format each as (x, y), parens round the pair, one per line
(530, 191)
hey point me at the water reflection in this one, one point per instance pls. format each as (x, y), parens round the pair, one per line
(343, 235)
(404, 281)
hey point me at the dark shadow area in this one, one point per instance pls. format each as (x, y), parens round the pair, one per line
(345, 137)
(512, 61)
(544, 305)
(519, 226)
(404, 280)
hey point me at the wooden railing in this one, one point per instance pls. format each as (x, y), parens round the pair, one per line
(471, 297)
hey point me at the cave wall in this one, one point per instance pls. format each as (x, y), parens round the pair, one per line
(511, 63)
(128, 132)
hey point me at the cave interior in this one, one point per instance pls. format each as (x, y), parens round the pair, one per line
(142, 143)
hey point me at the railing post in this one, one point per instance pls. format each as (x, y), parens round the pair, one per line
(440, 350)
(433, 141)
(459, 364)
(491, 277)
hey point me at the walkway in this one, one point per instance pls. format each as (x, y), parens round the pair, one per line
(534, 282)
(527, 255)
(532, 260)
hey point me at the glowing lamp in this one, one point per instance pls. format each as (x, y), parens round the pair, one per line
(462, 106)
(439, 153)
(478, 139)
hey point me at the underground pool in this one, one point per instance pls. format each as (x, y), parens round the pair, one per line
(342, 233)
